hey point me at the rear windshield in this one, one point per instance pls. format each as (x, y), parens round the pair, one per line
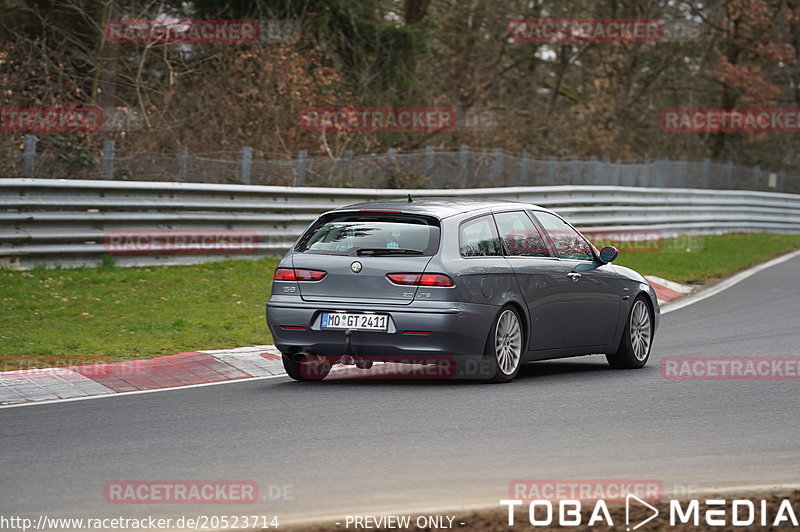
(372, 234)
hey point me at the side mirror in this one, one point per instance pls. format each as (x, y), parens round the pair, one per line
(608, 254)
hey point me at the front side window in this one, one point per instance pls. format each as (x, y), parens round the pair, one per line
(519, 235)
(569, 243)
(478, 238)
(372, 234)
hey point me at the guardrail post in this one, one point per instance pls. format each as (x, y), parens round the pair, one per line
(772, 180)
(551, 170)
(463, 160)
(247, 158)
(756, 176)
(182, 154)
(300, 178)
(29, 155)
(109, 148)
(497, 166)
(780, 180)
(523, 169)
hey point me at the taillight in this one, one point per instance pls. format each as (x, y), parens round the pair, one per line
(298, 274)
(404, 278)
(435, 279)
(420, 279)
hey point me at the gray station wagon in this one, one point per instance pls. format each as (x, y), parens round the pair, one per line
(477, 286)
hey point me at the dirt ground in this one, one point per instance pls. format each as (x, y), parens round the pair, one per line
(497, 520)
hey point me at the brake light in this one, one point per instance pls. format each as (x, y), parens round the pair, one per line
(381, 211)
(435, 279)
(298, 274)
(421, 279)
(404, 278)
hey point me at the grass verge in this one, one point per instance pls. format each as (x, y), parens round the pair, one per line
(80, 316)
(705, 259)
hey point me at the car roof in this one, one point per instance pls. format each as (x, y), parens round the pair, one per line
(438, 207)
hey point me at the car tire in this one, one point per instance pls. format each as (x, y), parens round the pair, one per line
(637, 338)
(301, 369)
(505, 345)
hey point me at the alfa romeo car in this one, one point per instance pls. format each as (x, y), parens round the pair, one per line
(478, 286)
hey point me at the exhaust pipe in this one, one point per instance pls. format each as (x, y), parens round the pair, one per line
(363, 363)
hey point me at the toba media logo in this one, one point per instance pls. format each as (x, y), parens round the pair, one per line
(568, 503)
(564, 501)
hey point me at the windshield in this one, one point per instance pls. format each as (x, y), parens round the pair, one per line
(359, 234)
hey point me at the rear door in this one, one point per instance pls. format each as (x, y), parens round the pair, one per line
(358, 249)
(541, 277)
(594, 288)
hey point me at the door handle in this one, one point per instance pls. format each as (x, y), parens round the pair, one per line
(574, 276)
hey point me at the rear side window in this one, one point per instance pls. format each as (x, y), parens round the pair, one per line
(569, 243)
(520, 236)
(478, 238)
(372, 234)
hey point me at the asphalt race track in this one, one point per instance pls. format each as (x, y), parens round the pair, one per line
(347, 447)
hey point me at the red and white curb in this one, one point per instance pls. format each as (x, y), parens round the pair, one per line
(666, 290)
(183, 369)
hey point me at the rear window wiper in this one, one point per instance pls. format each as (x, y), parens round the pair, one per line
(387, 251)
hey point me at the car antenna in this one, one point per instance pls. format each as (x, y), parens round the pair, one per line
(409, 199)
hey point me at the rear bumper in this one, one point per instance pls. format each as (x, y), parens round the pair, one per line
(457, 330)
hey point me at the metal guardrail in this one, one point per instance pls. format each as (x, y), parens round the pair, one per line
(66, 222)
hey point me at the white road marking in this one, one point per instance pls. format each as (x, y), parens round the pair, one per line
(137, 392)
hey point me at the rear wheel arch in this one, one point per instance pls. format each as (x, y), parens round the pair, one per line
(522, 311)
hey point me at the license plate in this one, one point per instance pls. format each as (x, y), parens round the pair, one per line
(355, 320)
